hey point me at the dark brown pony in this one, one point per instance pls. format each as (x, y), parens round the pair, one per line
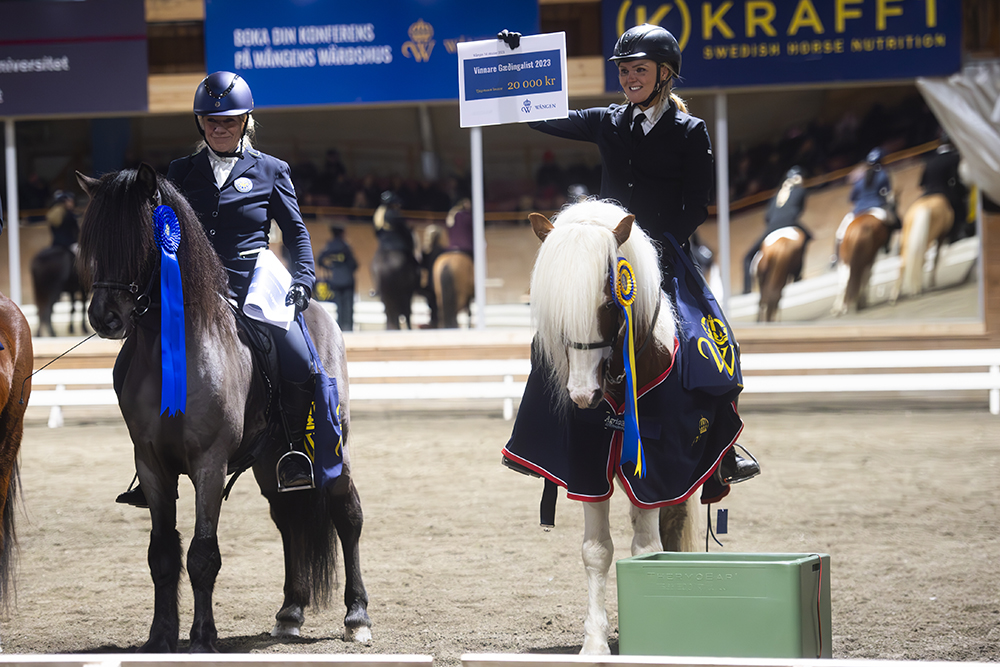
(225, 420)
(54, 273)
(16, 360)
(864, 235)
(777, 263)
(454, 285)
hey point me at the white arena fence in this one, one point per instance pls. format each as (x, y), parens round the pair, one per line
(428, 381)
(217, 660)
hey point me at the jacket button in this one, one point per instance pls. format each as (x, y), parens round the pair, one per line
(211, 232)
(218, 194)
(215, 214)
(630, 185)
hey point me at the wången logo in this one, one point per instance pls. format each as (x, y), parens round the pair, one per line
(527, 106)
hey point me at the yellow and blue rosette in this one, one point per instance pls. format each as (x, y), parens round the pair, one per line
(173, 355)
(624, 288)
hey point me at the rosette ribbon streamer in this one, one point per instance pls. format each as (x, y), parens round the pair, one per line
(173, 355)
(624, 288)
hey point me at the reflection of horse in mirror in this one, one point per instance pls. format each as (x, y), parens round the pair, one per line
(454, 285)
(225, 419)
(928, 220)
(395, 278)
(54, 272)
(16, 360)
(777, 263)
(578, 352)
(863, 237)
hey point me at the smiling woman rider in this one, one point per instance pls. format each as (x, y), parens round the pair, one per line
(656, 158)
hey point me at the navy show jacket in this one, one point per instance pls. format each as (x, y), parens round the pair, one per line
(237, 217)
(665, 180)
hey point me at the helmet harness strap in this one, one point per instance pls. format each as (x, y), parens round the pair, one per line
(246, 121)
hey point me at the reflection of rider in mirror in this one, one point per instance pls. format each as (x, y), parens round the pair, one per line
(941, 176)
(871, 194)
(784, 211)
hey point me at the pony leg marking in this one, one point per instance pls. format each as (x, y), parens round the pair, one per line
(598, 550)
(645, 530)
(288, 621)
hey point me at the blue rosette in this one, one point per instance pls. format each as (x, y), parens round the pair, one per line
(173, 354)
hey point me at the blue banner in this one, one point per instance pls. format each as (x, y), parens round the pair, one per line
(747, 43)
(513, 75)
(322, 52)
(57, 57)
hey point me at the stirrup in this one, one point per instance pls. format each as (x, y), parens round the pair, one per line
(294, 472)
(134, 495)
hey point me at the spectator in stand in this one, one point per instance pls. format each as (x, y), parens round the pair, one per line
(337, 266)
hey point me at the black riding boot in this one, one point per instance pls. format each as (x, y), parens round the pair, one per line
(735, 469)
(294, 469)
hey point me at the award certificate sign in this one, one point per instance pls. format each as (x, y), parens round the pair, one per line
(498, 85)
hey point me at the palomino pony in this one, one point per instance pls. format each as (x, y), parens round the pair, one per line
(454, 286)
(54, 272)
(928, 220)
(864, 235)
(572, 422)
(225, 416)
(777, 262)
(16, 360)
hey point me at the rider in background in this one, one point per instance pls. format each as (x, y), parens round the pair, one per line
(391, 228)
(785, 210)
(236, 191)
(62, 221)
(871, 194)
(941, 176)
(459, 222)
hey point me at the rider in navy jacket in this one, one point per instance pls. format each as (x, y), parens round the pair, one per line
(236, 192)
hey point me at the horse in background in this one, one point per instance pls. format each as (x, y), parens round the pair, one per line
(16, 361)
(224, 426)
(928, 220)
(454, 286)
(776, 264)
(863, 237)
(54, 273)
(579, 324)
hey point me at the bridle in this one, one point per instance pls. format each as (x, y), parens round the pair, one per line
(614, 341)
(141, 303)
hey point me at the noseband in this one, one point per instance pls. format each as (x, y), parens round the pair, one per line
(141, 302)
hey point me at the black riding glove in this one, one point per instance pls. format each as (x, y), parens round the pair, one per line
(513, 39)
(298, 296)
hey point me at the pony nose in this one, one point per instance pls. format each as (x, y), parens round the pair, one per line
(104, 321)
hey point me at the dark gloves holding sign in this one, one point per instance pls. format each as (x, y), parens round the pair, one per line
(513, 39)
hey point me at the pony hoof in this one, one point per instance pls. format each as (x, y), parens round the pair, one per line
(286, 629)
(359, 635)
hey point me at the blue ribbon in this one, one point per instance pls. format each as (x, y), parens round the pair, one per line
(624, 288)
(173, 355)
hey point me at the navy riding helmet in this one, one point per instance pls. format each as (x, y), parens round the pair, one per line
(649, 41)
(223, 94)
(875, 156)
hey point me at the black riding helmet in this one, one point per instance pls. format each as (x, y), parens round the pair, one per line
(223, 94)
(653, 43)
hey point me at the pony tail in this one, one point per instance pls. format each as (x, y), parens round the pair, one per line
(675, 98)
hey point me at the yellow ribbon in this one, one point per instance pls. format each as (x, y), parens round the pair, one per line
(624, 288)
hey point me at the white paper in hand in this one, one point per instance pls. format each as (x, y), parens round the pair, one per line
(268, 287)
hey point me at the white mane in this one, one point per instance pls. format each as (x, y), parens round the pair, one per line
(571, 271)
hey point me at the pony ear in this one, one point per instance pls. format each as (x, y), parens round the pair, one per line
(624, 228)
(540, 224)
(87, 183)
(146, 178)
